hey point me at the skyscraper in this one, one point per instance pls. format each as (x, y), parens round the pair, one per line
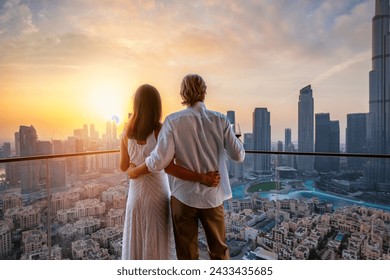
(230, 163)
(5, 150)
(289, 160)
(322, 141)
(279, 158)
(44, 148)
(32, 176)
(235, 169)
(378, 122)
(93, 134)
(231, 115)
(356, 139)
(327, 140)
(28, 175)
(305, 128)
(109, 130)
(85, 133)
(262, 139)
(334, 145)
(287, 138)
(17, 143)
(27, 141)
(58, 146)
(114, 131)
(248, 145)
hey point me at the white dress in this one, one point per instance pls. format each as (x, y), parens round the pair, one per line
(148, 232)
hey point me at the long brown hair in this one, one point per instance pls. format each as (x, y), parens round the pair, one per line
(146, 115)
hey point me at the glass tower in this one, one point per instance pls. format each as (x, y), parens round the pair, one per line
(306, 128)
(378, 121)
(262, 139)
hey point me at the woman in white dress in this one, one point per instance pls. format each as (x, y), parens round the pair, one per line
(148, 232)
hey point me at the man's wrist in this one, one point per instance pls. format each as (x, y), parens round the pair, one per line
(134, 172)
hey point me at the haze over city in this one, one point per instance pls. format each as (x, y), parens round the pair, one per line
(66, 63)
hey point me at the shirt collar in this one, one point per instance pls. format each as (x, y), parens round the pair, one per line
(199, 105)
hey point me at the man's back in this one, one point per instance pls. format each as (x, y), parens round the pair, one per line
(198, 139)
(198, 135)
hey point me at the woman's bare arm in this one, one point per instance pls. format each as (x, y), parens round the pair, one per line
(124, 155)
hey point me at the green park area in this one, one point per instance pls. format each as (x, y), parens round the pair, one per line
(262, 187)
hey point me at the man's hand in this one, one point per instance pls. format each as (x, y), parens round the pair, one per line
(131, 171)
(211, 179)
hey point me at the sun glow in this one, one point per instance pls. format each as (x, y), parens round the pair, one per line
(108, 100)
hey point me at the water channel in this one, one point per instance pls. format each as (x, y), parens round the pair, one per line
(309, 192)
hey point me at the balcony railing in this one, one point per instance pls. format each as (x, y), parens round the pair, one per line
(285, 205)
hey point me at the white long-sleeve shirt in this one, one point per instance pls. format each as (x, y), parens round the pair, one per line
(200, 140)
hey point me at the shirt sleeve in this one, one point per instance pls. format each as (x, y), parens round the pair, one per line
(164, 151)
(233, 146)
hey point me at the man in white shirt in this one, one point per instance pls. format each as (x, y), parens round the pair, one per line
(198, 139)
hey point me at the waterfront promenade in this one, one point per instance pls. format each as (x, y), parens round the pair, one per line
(240, 191)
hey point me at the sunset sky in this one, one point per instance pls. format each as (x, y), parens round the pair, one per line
(66, 63)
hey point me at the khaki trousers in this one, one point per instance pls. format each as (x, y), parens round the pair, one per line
(185, 225)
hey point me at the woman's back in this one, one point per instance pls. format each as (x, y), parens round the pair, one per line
(148, 229)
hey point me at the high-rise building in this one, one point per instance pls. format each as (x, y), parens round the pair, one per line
(356, 139)
(32, 176)
(58, 146)
(279, 146)
(248, 145)
(109, 130)
(73, 145)
(5, 239)
(287, 138)
(378, 118)
(327, 140)
(44, 148)
(85, 134)
(322, 141)
(306, 128)
(93, 134)
(231, 115)
(5, 150)
(289, 160)
(230, 163)
(17, 143)
(279, 158)
(334, 145)
(27, 141)
(114, 131)
(28, 175)
(235, 169)
(262, 139)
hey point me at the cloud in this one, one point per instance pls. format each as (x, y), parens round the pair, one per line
(246, 44)
(16, 19)
(244, 34)
(341, 67)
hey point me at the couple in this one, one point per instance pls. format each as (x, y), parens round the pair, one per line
(191, 145)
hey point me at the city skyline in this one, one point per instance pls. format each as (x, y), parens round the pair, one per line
(67, 64)
(283, 207)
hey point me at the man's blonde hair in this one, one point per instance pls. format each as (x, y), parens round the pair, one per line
(193, 89)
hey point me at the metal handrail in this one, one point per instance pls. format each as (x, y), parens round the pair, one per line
(323, 154)
(66, 155)
(16, 159)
